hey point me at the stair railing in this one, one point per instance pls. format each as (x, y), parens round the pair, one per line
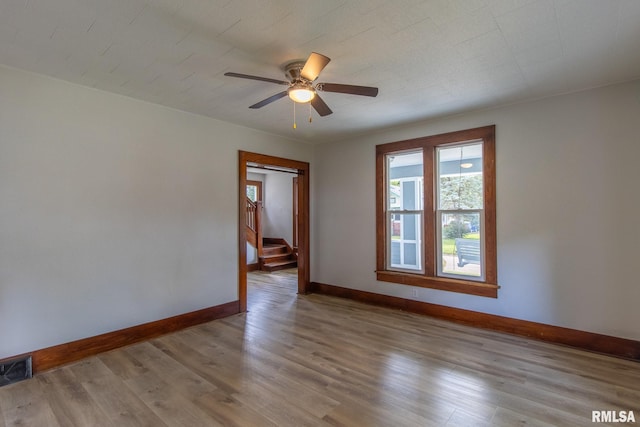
(254, 224)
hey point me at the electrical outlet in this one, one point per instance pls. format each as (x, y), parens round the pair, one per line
(414, 293)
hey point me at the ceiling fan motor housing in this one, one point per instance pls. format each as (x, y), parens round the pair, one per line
(292, 71)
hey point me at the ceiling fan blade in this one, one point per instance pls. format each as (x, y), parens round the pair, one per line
(269, 100)
(350, 89)
(314, 65)
(320, 106)
(262, 79)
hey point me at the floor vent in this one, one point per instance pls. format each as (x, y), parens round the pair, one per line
(14, 370)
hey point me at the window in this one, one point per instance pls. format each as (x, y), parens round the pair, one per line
(254, 190)
(436, 212)
(405, 211)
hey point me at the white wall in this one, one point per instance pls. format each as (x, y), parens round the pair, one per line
(567, 213)
(277, 215)
(113, 212)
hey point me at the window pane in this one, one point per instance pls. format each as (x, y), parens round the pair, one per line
(252, 192)
(405, 197)
(405, 180)
(460, 177)
(461, 245)
(405, 241)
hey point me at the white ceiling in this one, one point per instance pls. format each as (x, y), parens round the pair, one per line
(429, 58)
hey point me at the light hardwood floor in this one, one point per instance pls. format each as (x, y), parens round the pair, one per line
(316, 360)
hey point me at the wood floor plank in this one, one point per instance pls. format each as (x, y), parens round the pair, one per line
(2, 418)
(230, 412)
(122, 364)
(219, 407)
(174, 408)
(121, 405)
(355, 361)
(184, 380)
(266, 379)
(509, 418)
(349, 380)
(276, 407)
(228, 376)
(462, 418)
(26, 404)
(296, 360)
(69, 400)
(267, 370)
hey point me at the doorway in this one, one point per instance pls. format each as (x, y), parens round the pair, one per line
(247, 159)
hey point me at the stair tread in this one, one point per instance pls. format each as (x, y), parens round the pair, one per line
(276, 255)
(280, 255)
(273, 247)
(277, 263)
(268, 253)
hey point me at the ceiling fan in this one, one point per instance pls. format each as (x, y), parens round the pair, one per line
(302, 89)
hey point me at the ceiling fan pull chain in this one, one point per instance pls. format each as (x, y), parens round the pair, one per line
(310, 119)
(294, 116)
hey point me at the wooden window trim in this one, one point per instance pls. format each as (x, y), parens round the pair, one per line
(258, 185)
(428, 279)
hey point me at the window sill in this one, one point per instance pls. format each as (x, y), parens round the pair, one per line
(440, 283)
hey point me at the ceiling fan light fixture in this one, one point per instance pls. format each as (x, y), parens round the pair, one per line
(301, 93)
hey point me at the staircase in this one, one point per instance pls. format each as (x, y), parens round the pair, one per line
(277, 255)
(273, 254)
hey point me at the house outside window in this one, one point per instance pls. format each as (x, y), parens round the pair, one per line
(436, 212)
